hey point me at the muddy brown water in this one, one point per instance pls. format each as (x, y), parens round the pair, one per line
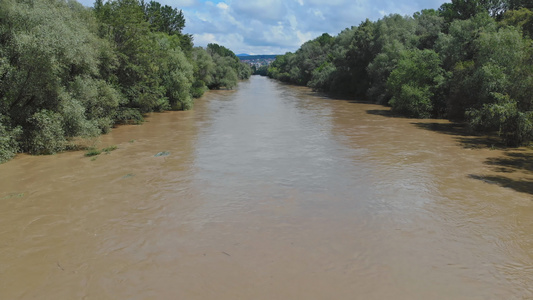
(271, 192)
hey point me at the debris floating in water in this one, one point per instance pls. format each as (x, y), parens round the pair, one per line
(13, 195)
(164, 153)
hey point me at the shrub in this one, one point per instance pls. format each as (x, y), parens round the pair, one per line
(92, 152)
(414, 82)
(46, 135)
(413, 102)
(126, 115)
(8, 141)
(109, 149)
(503, 116)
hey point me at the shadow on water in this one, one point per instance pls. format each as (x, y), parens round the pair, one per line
(515, 167)
(514, 170)
(508, 169)
(383, 113)
(463, 136)
(519, 185)
(512, 162)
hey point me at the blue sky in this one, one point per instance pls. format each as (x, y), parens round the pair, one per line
(279, 26)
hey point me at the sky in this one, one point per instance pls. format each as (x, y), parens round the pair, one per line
(280, 26)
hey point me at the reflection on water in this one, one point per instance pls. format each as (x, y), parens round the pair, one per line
(269, 192)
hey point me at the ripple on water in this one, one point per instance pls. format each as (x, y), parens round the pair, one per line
(269, 191)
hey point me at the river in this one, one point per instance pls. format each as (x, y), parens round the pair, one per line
(271, 191)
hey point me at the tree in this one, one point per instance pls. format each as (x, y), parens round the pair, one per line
(9, 136)
(429, 25)
(414, 83)
(503, 82)
(518, 4)
(355, 51)
(204, 70)
(393, 34)
(164, 18)
(466, 9)
(48, 56)
(458, 51)
(522, 18)
(228, 68)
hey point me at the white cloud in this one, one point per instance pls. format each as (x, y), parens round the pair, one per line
(223, 6)
(205, 38)
(265, 9)
(272, 25)
(278, 26)
(179, 3)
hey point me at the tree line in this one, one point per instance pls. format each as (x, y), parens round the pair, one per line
(469, 61)
(68, 71)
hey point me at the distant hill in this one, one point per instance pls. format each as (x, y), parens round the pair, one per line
(242, 54)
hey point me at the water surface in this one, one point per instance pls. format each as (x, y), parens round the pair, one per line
(271, 191)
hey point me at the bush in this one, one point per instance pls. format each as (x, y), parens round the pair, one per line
(126, 115)
(46, 135)
(503, 116)
(198, 88)
(413, 102)
(92, 152)
(414, 82)
(8, 141)
(110, 148)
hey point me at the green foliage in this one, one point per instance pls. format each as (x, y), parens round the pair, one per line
(460, 96)
(68, 71)
(458, 45)
(216, 49)
(322, 77)
(465, 61)
(413, 101)
(280, 68)
(46, 134)
(95, 152)
(108, 149)
(244, 71)
(50, 66)
(225, 69)
(9, 145)
(126, 115)
(355, 49)
(163, 18)
(522, 18)
(298, 67)
(503, 116)
(203, 69)
(429, 26)
(225, 75)
(100, 101)
(262, 70)
(92, 152)
(519, 4)
(466, 9)
(380, 69)
(176, 74)
(414, 82)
